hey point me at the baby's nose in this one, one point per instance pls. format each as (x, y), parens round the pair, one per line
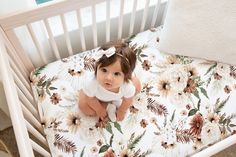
(109, 76)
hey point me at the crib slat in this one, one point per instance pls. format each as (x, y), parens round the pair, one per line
(67, 37)
(20, 130)
(95, 38)
(18, 73)
(36, 43)
(144, 16)
(132, 20)
(81, 32)
(40, 149)
(21, 86)
(27, 104)
(19, 65)
(108, 8)
(51, 39)
(155, 13)
(18, 50)
(28, 115)
(120, 25)
(19, 82)
(35, 132)
(26, 66)
(164, 14)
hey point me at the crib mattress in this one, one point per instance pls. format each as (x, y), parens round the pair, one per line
(185, 105)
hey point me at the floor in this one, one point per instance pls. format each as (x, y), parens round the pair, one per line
(229, 152)
(5, 122)
(3, 150)
(8, 142)
(4, 154)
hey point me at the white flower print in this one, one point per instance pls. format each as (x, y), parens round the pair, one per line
(210, 133)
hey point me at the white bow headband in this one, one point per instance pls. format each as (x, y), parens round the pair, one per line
(108, 53)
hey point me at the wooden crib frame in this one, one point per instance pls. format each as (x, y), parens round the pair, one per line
(16, 64)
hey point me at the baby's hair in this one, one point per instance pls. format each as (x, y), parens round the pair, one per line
(124, 52)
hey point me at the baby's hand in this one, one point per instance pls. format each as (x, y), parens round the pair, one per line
(120, 115)
(102, 113)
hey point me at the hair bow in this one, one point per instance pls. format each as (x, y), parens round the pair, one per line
(108, 53)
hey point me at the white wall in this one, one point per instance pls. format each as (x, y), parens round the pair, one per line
(8, 6)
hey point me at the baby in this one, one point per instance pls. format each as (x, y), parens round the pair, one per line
(110, 90)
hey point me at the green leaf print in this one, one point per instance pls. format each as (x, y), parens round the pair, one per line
(212, 67)
(130, 38)
(196, 94)
(38, 70)
(82, 153)
(204, 92)
(117, 126)
(220, 105)
(104, 148)
(109, 128)
(192, 112)
(172, 117)
(111, 140)
(134, 142)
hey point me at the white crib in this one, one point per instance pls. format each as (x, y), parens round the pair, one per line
(17, 59)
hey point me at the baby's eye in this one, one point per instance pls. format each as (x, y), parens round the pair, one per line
(104, 70)
(117, 73)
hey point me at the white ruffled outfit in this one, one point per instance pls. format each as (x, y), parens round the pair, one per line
(92, 88)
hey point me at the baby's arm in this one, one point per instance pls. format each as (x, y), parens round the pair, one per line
(137, 84)
(123, 108)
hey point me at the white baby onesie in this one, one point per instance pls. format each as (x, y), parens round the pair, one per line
(92, 88)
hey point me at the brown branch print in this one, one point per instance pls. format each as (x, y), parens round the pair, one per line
(233, 71)
(156, 107)
(64, 145)
(89, 63)
(184, 136)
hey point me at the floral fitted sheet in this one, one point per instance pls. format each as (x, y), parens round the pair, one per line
(186, 104)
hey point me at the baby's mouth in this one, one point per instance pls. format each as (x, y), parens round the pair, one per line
(107, 84)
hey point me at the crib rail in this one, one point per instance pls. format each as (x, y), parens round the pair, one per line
(42, 15)
(44, 11)
(23, 39)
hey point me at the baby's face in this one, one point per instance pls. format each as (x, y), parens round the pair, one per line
(111, 77)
